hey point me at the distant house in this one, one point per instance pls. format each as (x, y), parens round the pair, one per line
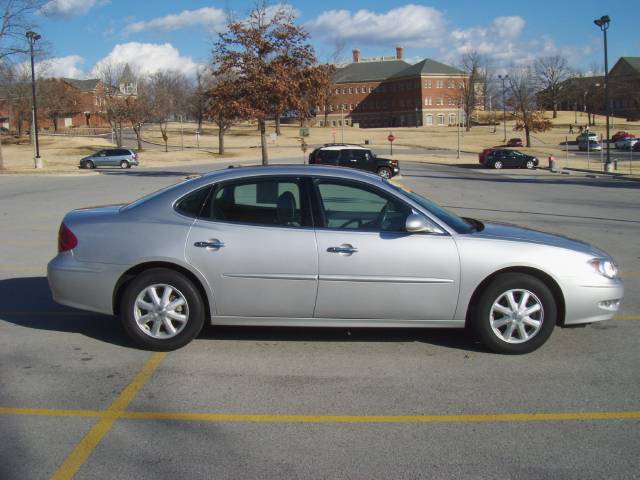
(389, 92)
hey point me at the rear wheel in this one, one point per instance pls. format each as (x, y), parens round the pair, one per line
(124, 164)
(516, 314)
(497, 164)
(384, 172)
(162, 310)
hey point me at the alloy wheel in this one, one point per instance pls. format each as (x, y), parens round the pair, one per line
(161, 311)
(516, 316)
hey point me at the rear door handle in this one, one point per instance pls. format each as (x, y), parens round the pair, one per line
(214, 243)
(344, 249)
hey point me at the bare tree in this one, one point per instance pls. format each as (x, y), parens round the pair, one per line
(139, 108)
(471, 87)
(225, 106)
(550, 72)
(197, 101)
(114, 104)
(57, 99)
(168, 93)
(524, 103)
(268, 53)
(16, 85)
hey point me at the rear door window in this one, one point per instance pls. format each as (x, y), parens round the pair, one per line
(329, 156)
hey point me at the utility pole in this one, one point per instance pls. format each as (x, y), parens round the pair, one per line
(603, 23)
(181, 135)
(504, 107)
(33, 37)
(458, 124)
(342, 120)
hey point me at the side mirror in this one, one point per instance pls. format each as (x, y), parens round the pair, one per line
(417, 223)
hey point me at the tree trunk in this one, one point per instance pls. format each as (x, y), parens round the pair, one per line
(1, 156)
(326, 117)
(55, 123)
(138, 132)
(278, 131)
(527, 136)
(220, 140)
(467, 120)
(555, 110)
(263, 141)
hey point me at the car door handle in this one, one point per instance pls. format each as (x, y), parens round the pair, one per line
(213, 243)
(344, 249)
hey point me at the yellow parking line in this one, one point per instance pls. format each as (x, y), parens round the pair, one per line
(91, 440)
(627, 317)
(112, 415)
(629, 274)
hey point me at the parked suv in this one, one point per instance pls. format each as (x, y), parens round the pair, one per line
(501, 158)
(587, 135)
(354, 156)
(112, 157)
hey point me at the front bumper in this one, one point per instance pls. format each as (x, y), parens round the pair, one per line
(83, 285)
(592, 302)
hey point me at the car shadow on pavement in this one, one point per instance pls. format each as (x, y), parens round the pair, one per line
(27, 302)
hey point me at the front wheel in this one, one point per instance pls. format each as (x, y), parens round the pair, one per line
(516, 314)
(384, 172)
(530, 165)
(162, 310)
(90, 165)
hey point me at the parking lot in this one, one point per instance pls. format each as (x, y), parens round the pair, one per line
(76, 398)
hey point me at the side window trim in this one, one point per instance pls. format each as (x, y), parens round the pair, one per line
(305, 210)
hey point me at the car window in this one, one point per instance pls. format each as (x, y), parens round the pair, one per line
(113, 153)
(191, 204)
(361, 155)
(123, 152)
(273, 201)
(329, 155)
(349, 206)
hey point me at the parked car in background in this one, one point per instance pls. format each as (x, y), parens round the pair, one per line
(636, 147)
(354, 156)
(514, 142)
(317, 246)
(621, 135)
(591, 145)
(111, 157)
(626, 143)
(504, 158)
(585, 135)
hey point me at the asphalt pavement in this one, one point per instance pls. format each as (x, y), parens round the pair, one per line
(76, 398)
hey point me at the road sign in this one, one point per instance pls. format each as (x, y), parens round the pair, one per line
(391, 138)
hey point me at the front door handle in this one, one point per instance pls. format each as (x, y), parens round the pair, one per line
(214, 243)
(344, 249)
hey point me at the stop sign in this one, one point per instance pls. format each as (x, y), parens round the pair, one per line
(391, 138)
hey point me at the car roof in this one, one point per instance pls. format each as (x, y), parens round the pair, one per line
(343, 146)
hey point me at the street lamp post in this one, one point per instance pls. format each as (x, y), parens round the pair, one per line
(33, 37)
(342, 121)
(417, 118)
(603, 23)
(504, 107)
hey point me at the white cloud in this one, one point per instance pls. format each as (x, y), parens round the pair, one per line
(149, 58)
(508, 27)
(69, 8)
(414, 25)
(213, 18)
(69, 67)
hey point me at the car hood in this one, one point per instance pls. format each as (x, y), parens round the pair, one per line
(505, 231)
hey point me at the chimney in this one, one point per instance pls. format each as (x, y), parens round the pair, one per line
(399, 53)
(356, 55)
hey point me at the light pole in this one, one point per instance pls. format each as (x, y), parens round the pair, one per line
(342, 121)
(603, 23)
(504, 107)
(33, 37)
(417, 117)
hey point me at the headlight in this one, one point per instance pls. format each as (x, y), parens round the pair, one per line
(605, 267)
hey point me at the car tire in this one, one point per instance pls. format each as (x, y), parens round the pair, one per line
(530, 165)
(385, 172)
(505, 330)
(90, 165)
(138, 305)
(497, 165)
(124, 164)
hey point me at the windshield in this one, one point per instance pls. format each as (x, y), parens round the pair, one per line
(455, 222)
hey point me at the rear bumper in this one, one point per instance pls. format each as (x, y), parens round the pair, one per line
(592, 303)
(87, 286)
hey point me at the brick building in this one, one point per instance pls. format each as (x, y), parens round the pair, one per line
(389, 92)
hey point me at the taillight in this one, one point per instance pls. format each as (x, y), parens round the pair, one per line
(135, 156)
(66, 239)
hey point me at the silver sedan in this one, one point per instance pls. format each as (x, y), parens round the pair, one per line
(322, 246)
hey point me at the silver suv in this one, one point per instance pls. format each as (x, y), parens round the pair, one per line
(111, 157)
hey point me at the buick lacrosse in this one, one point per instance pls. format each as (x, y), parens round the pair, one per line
(322, 246)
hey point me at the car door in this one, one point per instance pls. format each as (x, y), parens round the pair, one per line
(347, 158)
(112, 157)
(255, 244)
(370, 267)
(100, 158)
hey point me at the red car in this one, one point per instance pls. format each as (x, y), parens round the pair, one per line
(621, 135)
(514, 142)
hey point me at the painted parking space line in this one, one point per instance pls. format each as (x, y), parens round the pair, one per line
(112, 415)
(90, 441)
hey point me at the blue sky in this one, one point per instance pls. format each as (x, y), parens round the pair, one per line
(178, 34)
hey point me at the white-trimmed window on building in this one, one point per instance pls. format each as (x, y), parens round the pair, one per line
(439, 83)
(428, 120)
(452, 101)
(351, 106)
(350, 90)
(428, 101)
(441, 119)
(450, 84)
(452, 119)
(337, 91)
(440, 101)
(369, 89)
(333, 123)
(427, 84)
